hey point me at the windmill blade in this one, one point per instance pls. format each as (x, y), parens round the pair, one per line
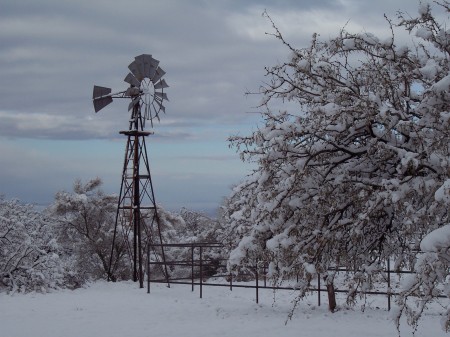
(146, 64)
(147, 112)
(151, 122)
(160, 106)
(132, 80)
(153, 68)
(100, 103)
(100, 91)
(162, 95)
(133, 103)
(159, 101)
(161, 84)
(140, 63)
(134, 68)
(157, 117)
(158, 74)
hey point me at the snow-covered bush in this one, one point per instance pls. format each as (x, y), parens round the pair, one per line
(29, 252)
(204, 229)
(163, 228)
(86, 219)
(347, 176)
(200, 227)
(187, 227)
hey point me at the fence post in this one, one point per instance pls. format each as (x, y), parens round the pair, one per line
(257, 286)
(318, 289)
(389, 283)
(264, 275)
(192, 267)
(201, 272)
(231, 281)
(148, 269)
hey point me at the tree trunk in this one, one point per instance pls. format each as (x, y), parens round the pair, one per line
(331, 297)
(329, 280)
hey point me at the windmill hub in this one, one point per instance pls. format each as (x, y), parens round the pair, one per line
(147, 87)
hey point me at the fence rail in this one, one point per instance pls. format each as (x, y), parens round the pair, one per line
(201, 268)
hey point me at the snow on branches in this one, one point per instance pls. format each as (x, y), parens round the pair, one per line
(349, 178)
(86, 225)
(29, 254)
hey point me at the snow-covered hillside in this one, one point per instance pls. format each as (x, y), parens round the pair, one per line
(121, 309)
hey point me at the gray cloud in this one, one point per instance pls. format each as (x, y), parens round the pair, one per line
(53, 52)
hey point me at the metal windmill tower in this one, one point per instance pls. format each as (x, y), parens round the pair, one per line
(137, 212)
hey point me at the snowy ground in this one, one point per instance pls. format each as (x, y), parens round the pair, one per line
(122, 310)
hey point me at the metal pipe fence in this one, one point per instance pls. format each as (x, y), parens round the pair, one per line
(200, 269)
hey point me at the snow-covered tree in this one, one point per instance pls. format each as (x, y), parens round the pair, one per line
(170, 225)
(166, 232)
(200, 227)
(204, 229)
(187, 227)
(29, 253)
(86, 226)
(432, 272)
(347, 175)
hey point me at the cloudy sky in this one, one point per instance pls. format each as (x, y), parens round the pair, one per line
(53, 52)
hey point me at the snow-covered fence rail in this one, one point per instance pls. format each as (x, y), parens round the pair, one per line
(202, 264)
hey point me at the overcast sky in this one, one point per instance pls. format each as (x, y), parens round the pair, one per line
(53, 52)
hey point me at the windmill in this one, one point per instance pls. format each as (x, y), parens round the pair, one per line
(137, 211)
